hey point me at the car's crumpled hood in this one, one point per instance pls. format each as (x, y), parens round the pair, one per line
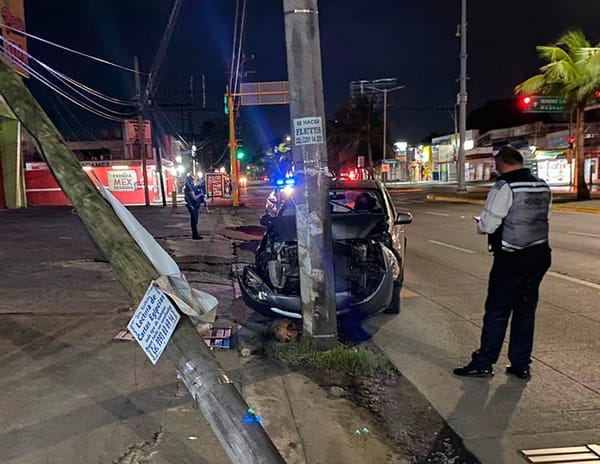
(343, 226)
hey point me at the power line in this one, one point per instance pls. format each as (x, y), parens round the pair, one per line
(235, 29)
(162, 50)
(100, 107)
(62, 47)
(49, 84)
(240, 42)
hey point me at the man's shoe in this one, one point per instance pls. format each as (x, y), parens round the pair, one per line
(522, 373)
(471, 371)
(197, 238)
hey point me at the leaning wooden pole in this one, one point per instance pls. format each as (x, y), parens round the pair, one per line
(217, 398)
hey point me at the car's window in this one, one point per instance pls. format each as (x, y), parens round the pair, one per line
(355, 201)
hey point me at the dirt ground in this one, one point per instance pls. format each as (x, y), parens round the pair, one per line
(404, 418)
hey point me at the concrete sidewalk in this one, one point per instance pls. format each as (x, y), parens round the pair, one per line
(71, 394)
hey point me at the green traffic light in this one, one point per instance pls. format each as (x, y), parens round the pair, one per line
(240, 154)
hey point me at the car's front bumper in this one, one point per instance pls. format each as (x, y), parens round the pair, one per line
(263, 299)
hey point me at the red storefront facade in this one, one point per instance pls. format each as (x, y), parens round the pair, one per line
(122, 178)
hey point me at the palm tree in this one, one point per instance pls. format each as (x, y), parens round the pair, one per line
(573, 73)
(356, 128)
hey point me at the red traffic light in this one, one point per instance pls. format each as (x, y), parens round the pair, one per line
(571, 140)
(526, 101)
(597, 93)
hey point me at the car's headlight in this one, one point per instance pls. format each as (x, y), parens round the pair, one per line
(391, 261)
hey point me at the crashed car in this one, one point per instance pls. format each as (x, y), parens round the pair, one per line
(368, 246)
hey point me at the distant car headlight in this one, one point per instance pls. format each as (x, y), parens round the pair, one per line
(391, 261)
(288, 190)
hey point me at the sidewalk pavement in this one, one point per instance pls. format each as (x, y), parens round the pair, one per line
(71, 394)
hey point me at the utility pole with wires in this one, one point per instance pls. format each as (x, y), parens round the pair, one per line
(313, 221)
(141, 133)
(462, 99)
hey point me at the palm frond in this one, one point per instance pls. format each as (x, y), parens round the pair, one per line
(553, 53)
(573, 40)
(534, 84)
(560, 72)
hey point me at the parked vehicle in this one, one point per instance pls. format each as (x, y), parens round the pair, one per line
(368, 246)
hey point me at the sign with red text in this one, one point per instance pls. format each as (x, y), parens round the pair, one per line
(131, 132)
(122, 181)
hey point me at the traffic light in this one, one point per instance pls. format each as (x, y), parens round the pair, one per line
(225, 104)
(525, 102)
(571, 141)
(240, 154)
(598, 94)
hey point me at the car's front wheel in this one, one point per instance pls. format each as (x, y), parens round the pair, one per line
(394, 306)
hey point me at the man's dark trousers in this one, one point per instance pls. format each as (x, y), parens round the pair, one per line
(193, 219)
(513, 286)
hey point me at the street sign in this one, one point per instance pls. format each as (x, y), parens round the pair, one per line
(308, 131)
(264, 93)
(544, 104)
(360, 162)
(154, 322)
(392, 162)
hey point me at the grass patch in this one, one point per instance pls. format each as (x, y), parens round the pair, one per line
(354, 361)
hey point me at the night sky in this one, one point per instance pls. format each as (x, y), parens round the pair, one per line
(413, 40)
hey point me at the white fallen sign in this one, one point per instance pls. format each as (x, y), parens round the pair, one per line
(153, 322)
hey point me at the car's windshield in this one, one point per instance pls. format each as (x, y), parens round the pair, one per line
(355, 201)
(347, 201)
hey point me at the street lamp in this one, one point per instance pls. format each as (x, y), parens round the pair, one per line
(385, 92)
(462, 98)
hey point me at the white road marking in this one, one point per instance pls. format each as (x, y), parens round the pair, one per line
(435, 213)
(574, 280)
(447, 245)
(583, 234)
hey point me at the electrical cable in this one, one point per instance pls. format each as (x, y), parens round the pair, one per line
(83, 86)
(233, 46)
(40, 77)
(157, 66)
(49, 84)
(241, 41)
(91, 57)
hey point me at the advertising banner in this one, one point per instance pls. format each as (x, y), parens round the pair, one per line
(131, 131)
(12, 14)
(122, 181)
(214, 184)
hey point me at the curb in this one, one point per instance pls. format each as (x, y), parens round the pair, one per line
(449, 199)
(576, 209)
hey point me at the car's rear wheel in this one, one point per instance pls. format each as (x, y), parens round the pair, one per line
(394, 306)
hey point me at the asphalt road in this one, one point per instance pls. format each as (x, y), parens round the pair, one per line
(446, 279)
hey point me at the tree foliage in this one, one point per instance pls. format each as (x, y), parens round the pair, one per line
(356, 130)
(572, 72)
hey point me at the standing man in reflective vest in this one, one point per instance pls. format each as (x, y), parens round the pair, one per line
(515, 218)
(192, 202)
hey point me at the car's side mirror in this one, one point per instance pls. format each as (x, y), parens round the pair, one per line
(403, 218)
(265, 220)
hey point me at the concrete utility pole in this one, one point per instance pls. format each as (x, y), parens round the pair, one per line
(140, 132)
(462, 99)
(235, 177)
(313, 222)
(212, 391)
